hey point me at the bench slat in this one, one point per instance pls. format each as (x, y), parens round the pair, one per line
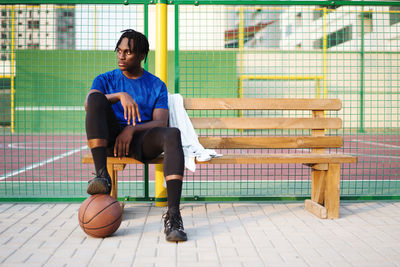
(282, 158)
(267, 123)
(271, 142)
(250, 159)
(261, 104)
(87, 159)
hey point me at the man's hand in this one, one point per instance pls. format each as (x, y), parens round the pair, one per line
(131, 109)
(123, 141)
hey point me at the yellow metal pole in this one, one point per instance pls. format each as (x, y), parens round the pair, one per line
(12, 69)
(161, 72)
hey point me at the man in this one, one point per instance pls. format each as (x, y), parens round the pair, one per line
(127, 115)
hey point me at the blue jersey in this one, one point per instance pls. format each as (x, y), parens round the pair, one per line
(148, 91)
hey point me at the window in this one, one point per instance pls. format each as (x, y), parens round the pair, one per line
(318, 44)
(367, 17)
(33, 46)
(339, 37)
(33, 24)
(299, 21)
(335, 38)
(319, 12)
(288, 30)
(394, 15)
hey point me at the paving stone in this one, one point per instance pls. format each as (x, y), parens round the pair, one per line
(220, 234)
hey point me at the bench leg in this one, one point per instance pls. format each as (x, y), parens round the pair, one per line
(114, 178)
(113, 171)
(315, 205)
(318, 186)
(332, 191)
(325, 193)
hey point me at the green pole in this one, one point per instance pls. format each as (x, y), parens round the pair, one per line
(176, 49)
(146, 181)
(361, 129)
(146, 29)
(146, 66)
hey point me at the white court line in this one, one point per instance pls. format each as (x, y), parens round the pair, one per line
(51, 108)
(375, 143)
(41, 163)
(31, 145)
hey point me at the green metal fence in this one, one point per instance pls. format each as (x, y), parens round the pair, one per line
(52, 50)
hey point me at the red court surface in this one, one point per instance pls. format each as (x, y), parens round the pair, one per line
(58, 157)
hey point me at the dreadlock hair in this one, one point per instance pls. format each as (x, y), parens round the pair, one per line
(140, 42)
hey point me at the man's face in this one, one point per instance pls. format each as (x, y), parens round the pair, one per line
(128, 61)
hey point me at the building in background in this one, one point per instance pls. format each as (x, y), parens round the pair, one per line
(35, 27)
(45, 27)
(259, 26)
(347, 28)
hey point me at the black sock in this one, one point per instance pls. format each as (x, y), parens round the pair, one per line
(174, 192)
(100, 161)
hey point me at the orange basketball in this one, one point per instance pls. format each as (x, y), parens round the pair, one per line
(100, 215)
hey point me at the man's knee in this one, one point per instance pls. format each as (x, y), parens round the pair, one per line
(97, 100)
(173, 136)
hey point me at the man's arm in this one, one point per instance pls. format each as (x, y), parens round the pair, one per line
(121, 147)
(131, 109)
(160, 119)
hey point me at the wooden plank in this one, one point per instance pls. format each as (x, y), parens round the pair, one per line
(318, 132)
(318, 186)
(318, 167)
(332, 191)
(281, 158)
(315, 208)
(87, 159)
(267, 123)
(250, 159)
(270, 142)
(262, 104)
(119, 167)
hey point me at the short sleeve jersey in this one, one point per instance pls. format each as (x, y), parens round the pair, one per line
(148, 91)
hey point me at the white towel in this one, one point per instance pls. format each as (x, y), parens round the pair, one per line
(190, 141)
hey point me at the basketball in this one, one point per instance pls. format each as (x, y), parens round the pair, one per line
(100, 215)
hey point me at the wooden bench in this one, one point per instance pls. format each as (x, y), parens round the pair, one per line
(301, 125)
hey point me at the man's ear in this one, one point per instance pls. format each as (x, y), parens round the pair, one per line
(142, 57)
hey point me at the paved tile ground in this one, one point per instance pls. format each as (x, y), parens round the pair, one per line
(220, 234)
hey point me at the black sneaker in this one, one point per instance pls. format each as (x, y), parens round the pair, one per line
(99, 185)
(173, 226)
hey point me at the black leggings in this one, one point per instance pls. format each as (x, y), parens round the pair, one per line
(101, 123)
